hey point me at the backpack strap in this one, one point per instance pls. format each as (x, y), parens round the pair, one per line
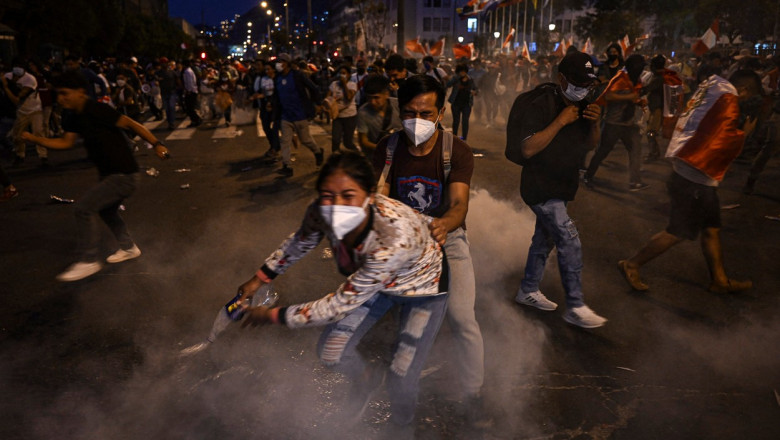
(392, 142)
(446, 154)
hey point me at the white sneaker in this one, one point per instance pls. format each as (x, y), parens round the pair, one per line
(80, 270)
(123, 255)
(584, 317)
(535, 299)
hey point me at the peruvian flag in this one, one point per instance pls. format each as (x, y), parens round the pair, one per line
(414, 46)
(463, 50)
(437, 49)
(707, 136)
(561, 49)
(524, 52)
(625, 43)
(508, 39)
(588, 48)
(707, 41)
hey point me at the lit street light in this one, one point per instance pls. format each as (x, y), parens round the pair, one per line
(551, 27)
(460, 38)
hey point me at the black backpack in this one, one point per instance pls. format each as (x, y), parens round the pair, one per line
(514, 142)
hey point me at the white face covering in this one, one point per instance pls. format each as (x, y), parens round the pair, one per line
(279, 67)
(574, 93)
(419, 130)
(343, 219)
(18, 71)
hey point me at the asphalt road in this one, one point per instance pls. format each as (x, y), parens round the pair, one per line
(102, 358)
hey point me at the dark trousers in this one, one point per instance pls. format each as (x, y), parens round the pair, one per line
(461, 114)
(103, 200)
(271, 128)
(629, 134)
(191, 104)
(344, 131)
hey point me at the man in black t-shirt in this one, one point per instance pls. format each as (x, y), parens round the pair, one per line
(557, 128)
(102, 129)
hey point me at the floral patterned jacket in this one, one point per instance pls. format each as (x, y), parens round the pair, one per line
(397, 256)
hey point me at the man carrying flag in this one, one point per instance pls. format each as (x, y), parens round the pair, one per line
(621, 97)
(705, 143)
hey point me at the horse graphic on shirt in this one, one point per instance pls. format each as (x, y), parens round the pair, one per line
(418, 197)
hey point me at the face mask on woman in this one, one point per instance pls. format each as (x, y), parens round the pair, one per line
(419, 130)
(343, 219)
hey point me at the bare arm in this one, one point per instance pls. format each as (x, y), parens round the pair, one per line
(128, 124)
(61, 143)
(365, 142)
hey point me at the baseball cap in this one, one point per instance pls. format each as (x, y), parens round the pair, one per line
(284, 57)
(577, 67)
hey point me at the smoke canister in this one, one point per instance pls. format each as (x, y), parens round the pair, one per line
(233, 308)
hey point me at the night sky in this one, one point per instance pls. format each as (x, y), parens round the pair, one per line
(216, 10)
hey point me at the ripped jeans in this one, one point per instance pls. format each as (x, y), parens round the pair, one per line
(421, 318)
(554, 228)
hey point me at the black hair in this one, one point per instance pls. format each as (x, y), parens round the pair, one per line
(395, 62)
(411, 65)
(419, 85)
(706, 71)
(658, 62)
(428, 59)
(71, 79)
(375, 83)
(354, 165)
(461, 68)
(747, 78)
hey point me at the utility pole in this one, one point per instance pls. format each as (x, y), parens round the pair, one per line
(399, 36)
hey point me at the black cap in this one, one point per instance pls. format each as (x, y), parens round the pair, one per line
(577, 67)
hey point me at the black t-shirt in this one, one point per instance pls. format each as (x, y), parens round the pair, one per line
(418, 181)
(553, 173)
(106, 144)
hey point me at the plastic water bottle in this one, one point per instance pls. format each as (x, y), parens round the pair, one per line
(232, 311)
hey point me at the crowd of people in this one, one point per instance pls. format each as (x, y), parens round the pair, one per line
(393, 204)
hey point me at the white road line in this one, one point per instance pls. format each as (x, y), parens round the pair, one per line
(181, 133)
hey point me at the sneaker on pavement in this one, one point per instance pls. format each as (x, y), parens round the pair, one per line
(80, 270)
(124, 255)
(535, 299)
(634, 187)
(584, 317)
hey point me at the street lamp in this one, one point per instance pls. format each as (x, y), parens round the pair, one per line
(551, 27)
(263, 5)
(460, 38)
(496, 34)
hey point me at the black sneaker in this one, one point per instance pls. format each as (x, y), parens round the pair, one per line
(285, 171)
(319, 157)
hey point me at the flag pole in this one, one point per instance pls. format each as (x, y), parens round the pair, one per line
(525, 21)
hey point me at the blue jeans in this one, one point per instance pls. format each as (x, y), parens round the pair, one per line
(421, 318)
(554, 228)
(469, 346)
(103, 200)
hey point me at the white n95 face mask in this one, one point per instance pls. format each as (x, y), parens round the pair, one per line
(575, 94)
(343, 219)
(279, 67)
(419, 130)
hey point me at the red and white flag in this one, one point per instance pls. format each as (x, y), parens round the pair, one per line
(707, 41)
(414, 46)
(508, 39)
(707, 136)
(462, 50)
(588, 47)
(525, 53)
(624, 43)
(437, 49)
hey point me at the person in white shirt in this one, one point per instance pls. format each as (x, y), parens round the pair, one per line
(191, 94)
(342, 92)
(29, 112)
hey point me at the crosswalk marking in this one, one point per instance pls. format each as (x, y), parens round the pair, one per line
(220, 131)
(181, 133)
(152, 124)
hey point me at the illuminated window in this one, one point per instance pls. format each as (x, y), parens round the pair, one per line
(471, 25)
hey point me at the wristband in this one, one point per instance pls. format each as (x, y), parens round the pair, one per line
(159, 142)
